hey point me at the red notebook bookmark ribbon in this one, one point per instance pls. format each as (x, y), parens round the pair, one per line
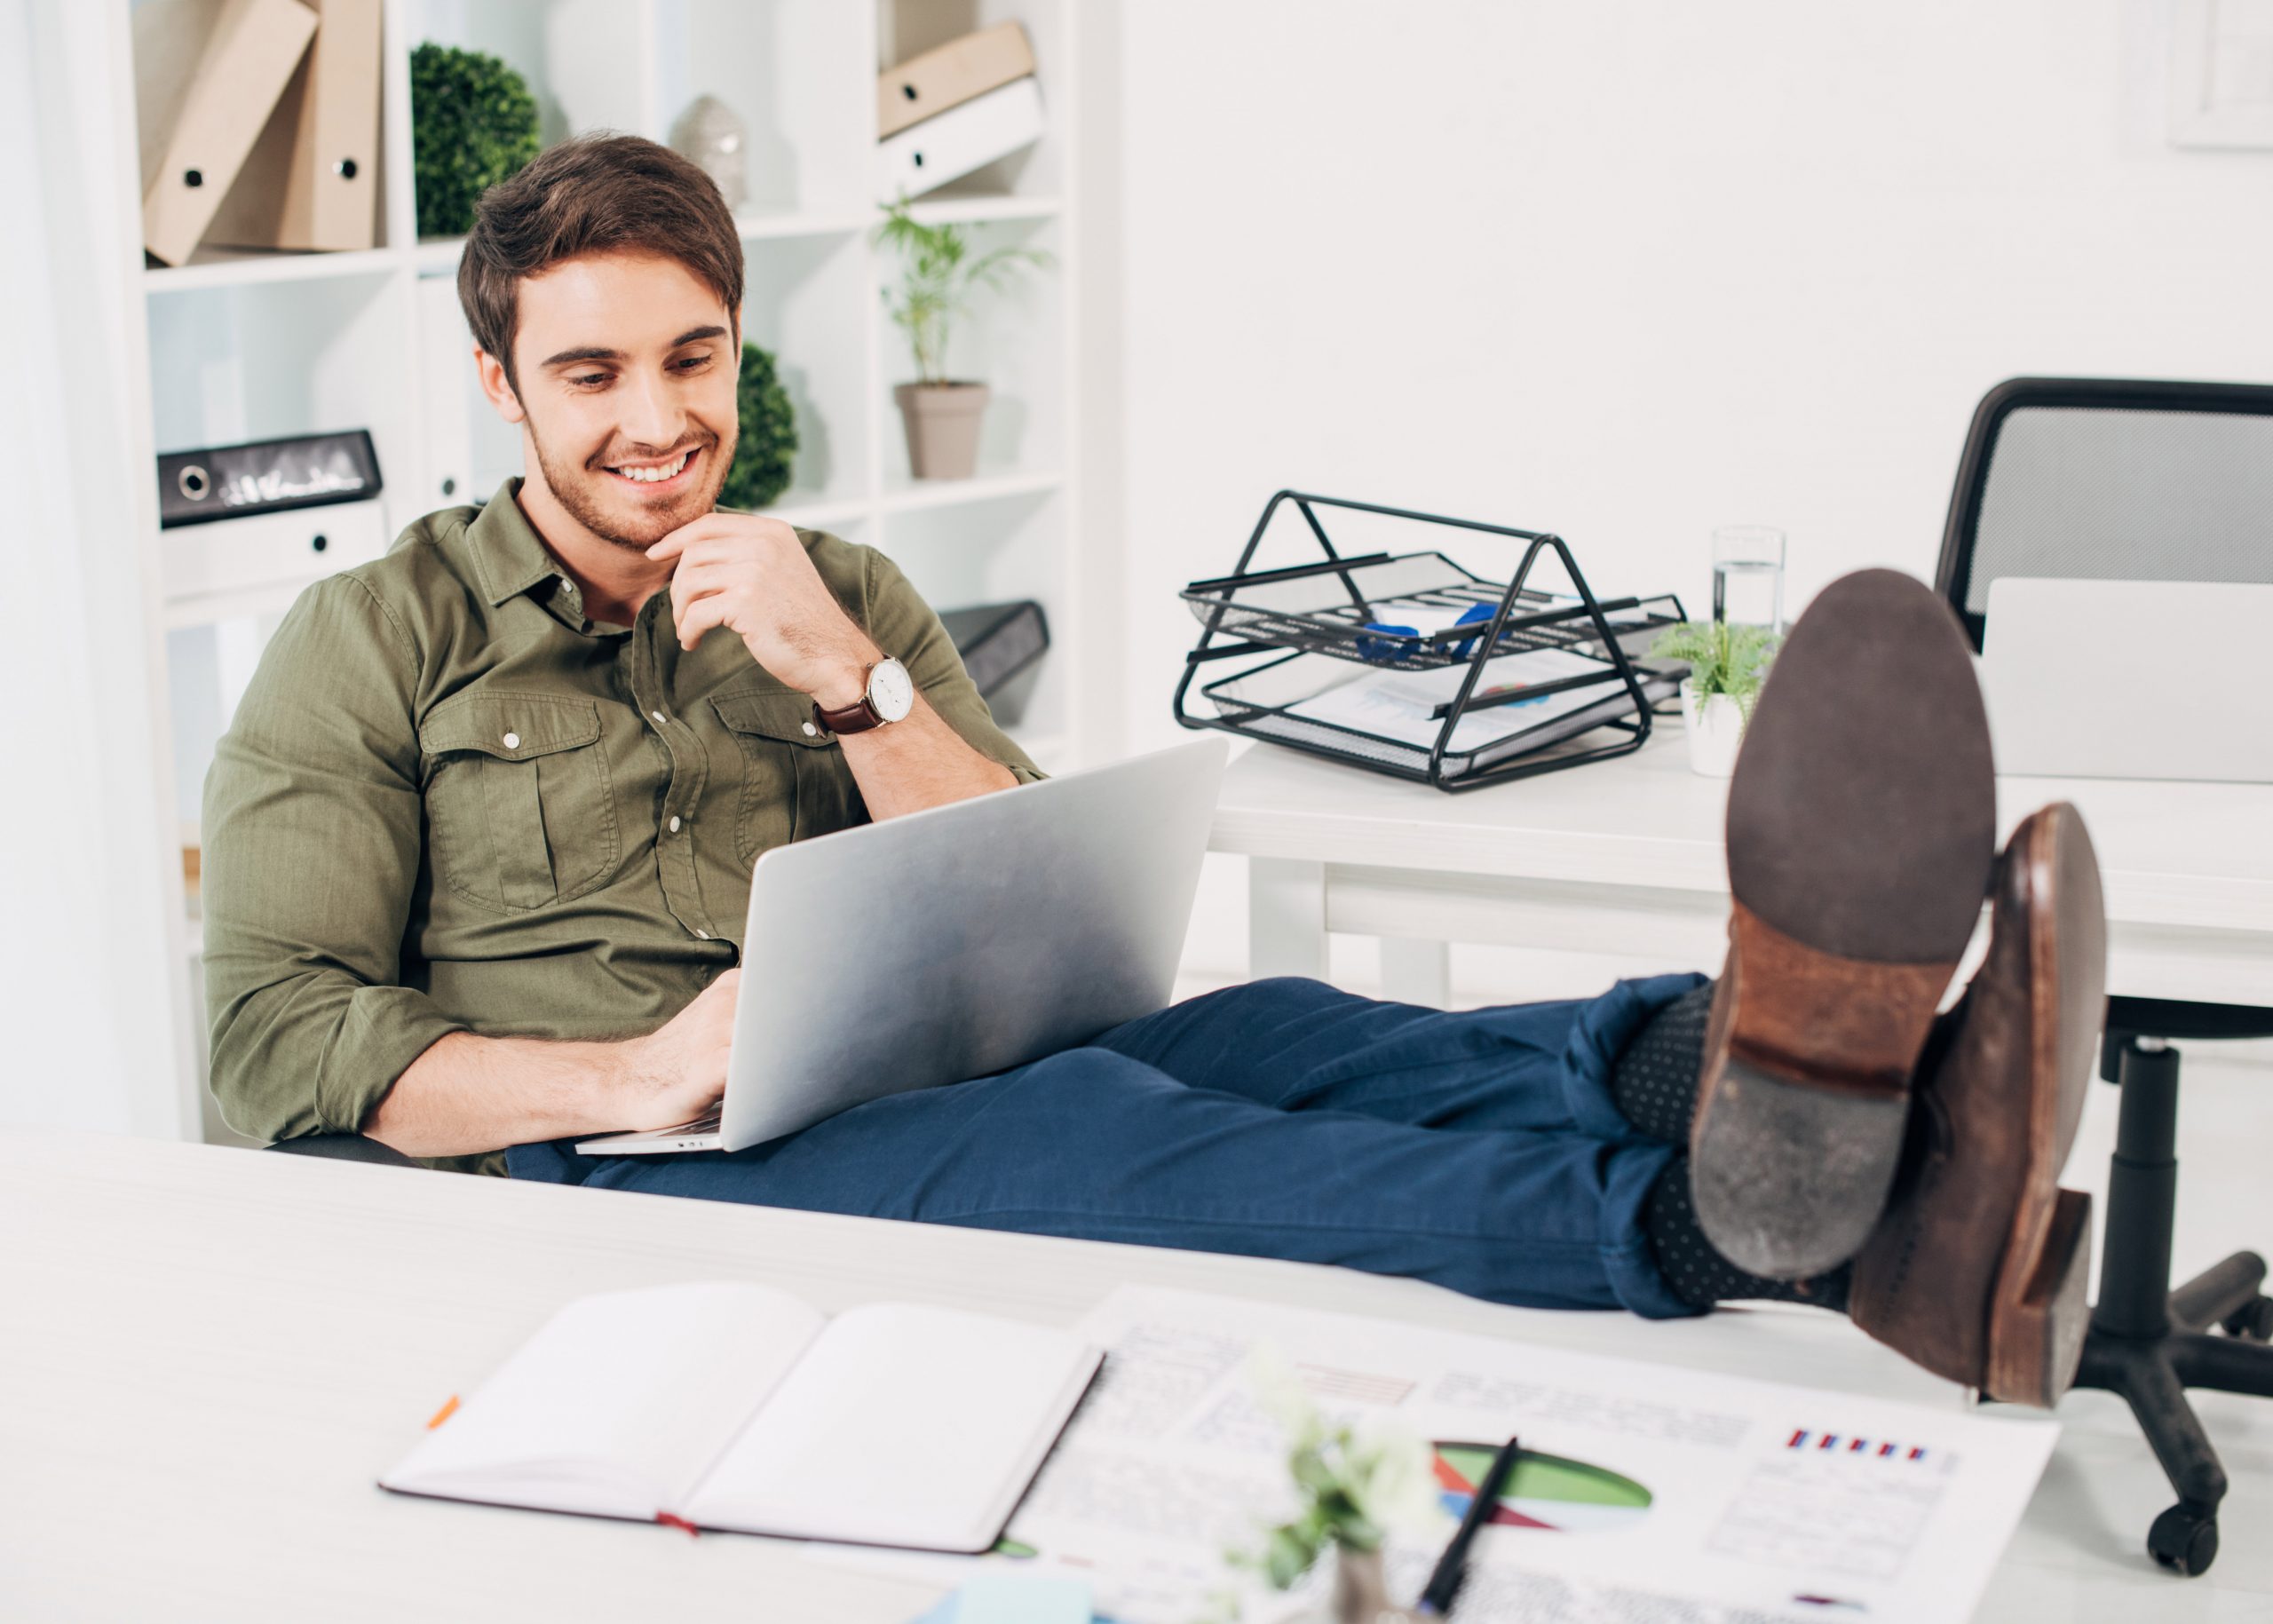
(669, 1521)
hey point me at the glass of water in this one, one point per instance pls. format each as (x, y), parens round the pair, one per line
(1748, 576)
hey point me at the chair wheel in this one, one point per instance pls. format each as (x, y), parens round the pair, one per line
(2184, 1541)
(2252, 1320)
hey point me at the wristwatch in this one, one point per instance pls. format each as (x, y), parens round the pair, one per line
(890, 694)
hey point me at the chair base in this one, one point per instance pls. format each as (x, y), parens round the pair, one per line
(2151, 1343)
(2152, 1373)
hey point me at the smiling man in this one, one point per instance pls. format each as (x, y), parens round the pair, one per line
(479, 846)
(479, 837)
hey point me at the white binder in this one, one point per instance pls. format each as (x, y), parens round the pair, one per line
(952, 144)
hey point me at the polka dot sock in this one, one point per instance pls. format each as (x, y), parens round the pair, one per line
(1701, 1276)
(1654, 1084)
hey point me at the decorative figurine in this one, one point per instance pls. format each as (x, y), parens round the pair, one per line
(713, 135)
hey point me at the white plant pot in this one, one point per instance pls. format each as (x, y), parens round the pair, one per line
(1714, 728)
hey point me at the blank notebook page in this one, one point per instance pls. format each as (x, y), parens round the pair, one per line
(901, 1426)
(617, 1404)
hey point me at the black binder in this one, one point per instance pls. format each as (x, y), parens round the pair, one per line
(1001, 645)
(266, 476)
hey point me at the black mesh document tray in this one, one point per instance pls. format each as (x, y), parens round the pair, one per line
(1312, 631)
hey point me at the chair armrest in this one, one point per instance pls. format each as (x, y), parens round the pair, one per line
(345, 1147)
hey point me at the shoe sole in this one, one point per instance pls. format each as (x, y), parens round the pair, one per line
(1862, 837)
(2038, 1311)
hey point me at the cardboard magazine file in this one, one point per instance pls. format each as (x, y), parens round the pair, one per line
(959, 71)
(312, 178)
(952, 144)
(207, 74)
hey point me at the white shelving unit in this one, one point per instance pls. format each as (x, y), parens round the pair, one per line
(249, 345)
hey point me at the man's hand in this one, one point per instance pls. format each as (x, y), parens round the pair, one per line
(677, 1072)
(752, 577)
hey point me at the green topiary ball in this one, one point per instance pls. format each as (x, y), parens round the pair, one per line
(768, 435)
(472, 123)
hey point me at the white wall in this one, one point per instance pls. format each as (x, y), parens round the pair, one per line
(90, 971)
(1632, 269)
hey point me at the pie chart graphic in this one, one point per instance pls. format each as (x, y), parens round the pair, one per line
(1544, 1491)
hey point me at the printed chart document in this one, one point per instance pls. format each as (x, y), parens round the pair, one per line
(1645, 1492)
(736, 1407)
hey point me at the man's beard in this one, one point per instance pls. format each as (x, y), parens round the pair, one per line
(578, 489)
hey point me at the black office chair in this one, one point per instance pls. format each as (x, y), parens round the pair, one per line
(345, 1147)
(2108, 479)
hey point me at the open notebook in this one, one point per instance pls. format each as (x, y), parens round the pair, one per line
(739, 1408)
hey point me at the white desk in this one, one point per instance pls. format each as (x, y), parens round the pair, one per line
(1626, 857)
(208, 1355)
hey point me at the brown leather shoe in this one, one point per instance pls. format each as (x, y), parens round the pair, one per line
(1977, 1271)
(1862, 833)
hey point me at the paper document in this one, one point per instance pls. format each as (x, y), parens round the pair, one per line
(1645, 1492)
(1398, 705)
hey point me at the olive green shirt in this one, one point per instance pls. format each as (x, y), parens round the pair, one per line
(451, 802)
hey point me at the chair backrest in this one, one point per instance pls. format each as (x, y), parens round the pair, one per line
(2110, 480)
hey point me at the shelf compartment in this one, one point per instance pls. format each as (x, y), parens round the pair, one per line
(779, 65)
(548, 43)
(805, 301)
(1014, 341)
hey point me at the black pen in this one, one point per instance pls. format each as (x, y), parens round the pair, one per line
(1443, 1584)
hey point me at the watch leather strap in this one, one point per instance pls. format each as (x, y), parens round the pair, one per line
(857, 718)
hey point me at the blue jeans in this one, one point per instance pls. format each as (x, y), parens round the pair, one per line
(1281, 1118)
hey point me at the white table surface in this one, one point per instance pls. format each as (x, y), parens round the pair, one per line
(209, 1353)
(1627, 856)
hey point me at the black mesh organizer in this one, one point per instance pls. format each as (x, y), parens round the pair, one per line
(1299, 630)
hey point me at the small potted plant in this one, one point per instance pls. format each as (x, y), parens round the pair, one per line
(473, 123)
(1727, 665)
(768, 444)
(1353, 1488)
(939, 277)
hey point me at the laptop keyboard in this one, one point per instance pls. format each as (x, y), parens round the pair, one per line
(709, 1121)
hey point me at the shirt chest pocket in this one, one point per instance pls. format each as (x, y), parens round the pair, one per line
(519, 812)
(794, 782)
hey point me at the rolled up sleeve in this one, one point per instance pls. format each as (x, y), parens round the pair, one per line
(901, 623)
(311, 842)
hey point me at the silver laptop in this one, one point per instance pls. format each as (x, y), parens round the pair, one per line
(2161, 679)
(956, 943)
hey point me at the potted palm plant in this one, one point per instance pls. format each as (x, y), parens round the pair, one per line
(1351, 1489)
(939, 275)
(1727, 665)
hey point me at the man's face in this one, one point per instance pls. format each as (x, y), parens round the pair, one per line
(626, 367)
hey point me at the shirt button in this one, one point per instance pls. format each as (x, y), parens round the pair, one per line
(674, 826)
(811, 730)
(657, 718)
(512, 741)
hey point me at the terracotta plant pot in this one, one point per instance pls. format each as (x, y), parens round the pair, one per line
(1715, 730)
(942, 422)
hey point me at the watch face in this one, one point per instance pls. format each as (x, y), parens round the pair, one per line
(890, 691)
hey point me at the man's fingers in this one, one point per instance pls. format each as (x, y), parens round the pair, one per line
(701, 616)
(690, 586)
(686, 536)
(734, 530)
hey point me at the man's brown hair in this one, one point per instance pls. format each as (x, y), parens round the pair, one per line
(595, 195)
